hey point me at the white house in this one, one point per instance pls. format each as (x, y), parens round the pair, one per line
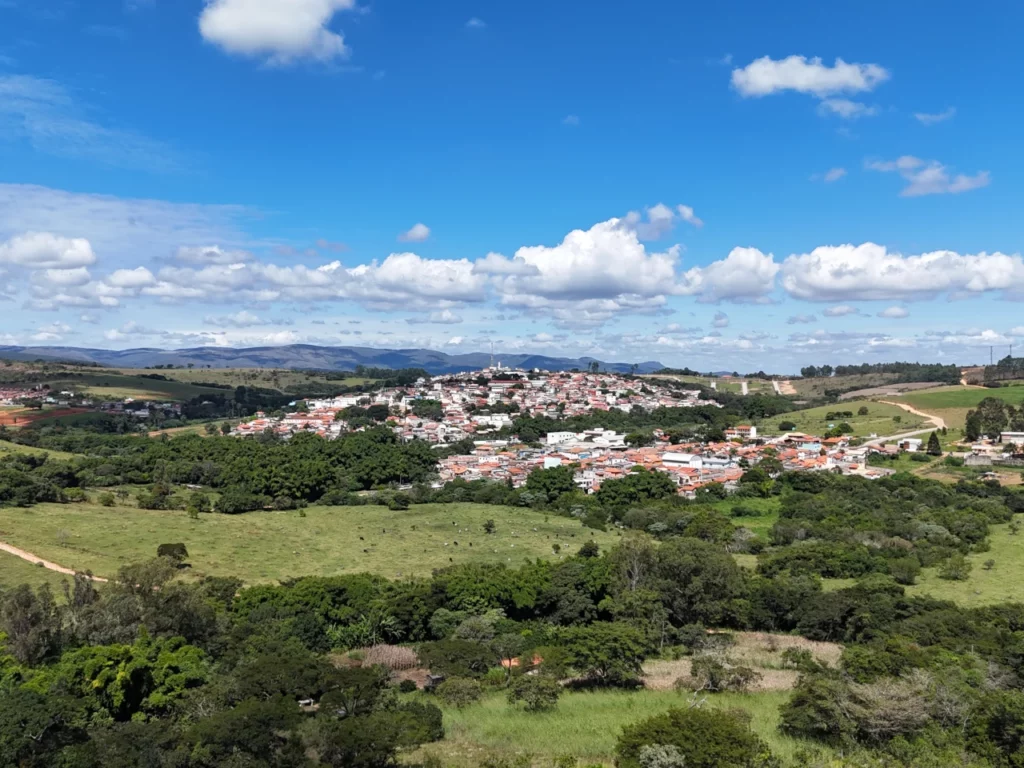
(556, 438)
(685, 460)
(1017, 438)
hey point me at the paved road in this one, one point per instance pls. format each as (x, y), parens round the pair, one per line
(775, 386)
(744, 387)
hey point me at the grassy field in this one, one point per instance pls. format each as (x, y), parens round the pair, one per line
(111, 385)
(15, 571)
(193, 429)
(9, 449)
(982, 587)
(817, 387)
(268, 546)
(879, 420)
(585, 725)
(952, 403)
(767, 509)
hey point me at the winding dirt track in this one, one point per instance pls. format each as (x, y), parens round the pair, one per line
(29, 557)
(938, 421)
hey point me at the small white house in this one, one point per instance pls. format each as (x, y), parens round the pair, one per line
(682, 460)
(1017, 438)
(557, 438)
(911, 444)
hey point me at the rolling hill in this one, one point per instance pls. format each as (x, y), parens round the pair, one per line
(309, 357)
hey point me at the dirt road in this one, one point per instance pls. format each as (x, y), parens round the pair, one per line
(936, 420)
(937, 423)
(29, 557)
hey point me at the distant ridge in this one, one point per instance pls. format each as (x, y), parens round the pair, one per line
(312, 357)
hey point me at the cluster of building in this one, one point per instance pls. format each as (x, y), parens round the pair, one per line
(476, 406)
(11, 396)
(318, 420)
(470, 405)
(599, 455)
(140, 409)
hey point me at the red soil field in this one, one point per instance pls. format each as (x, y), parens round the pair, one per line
(23, 416)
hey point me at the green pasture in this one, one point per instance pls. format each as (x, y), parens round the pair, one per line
(270, 546)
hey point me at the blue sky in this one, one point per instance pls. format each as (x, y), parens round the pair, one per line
(735, 186)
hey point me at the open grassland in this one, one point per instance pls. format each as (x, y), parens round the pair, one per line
(281, 379)
(952, 403)
(766, 513)
(199, 428)
(111, 385)
(817, 387)
(16, 418)
(9, 449)
(268, 546)
(983, 587)
(585, 725)
(878, 421)
(14, 571)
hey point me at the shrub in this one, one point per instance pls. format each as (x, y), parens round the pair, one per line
(176, 552)
(709, 674)
(787, 426)
(703, 739)
(536, 692)
(394, 657)
(905, 570)
(818, 709)
(459, 691)
(106, 499)
(408, 686)
(956, 568)
(74, 495)
(801, 660)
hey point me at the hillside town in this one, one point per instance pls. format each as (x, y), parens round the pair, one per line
(470, 408)
(448, 409)
(472, 416)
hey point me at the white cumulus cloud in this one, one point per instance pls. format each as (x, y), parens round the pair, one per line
(415, 234)
(42, 250)
(872, 272)
(766, 76)
(746, 274)
(280, 30)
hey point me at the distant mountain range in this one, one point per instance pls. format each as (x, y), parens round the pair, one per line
(308, 356)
